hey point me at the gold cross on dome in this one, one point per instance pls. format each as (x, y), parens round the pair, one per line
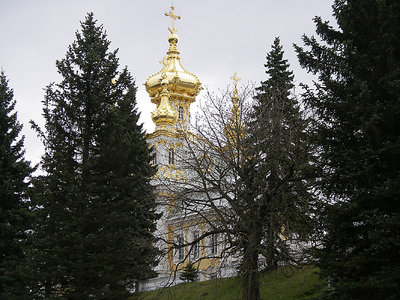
(235, 79)
(164, 61)
(173, 17)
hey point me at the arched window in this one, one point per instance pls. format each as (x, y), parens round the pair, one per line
(154, 158)
(196, 245)
(171, 156)
(180, 110)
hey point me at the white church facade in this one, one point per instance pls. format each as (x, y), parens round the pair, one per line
(173, 90)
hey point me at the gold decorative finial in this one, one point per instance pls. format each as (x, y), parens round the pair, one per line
(164, 62)
(235, 128)
(173, 17)
(235, 97)
(235, 80)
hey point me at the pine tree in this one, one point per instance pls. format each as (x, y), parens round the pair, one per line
(14, 170)
(356, 105)
(189, 273)
(95, 207)
(276, 172)
(279, 132)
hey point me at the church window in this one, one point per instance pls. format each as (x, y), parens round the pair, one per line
(171, 156)
(180, 113)
(196, 245)
(181, 250)
(154, 156)
(214, 243)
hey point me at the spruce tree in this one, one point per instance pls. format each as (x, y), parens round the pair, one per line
(189, 273)
(275, 173)
(14, 171)
(279, 137)
(356, 105)
(95, 207)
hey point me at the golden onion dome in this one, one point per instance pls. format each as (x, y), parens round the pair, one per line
(180, 81)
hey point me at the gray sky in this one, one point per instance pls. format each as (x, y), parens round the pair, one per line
(216, 39)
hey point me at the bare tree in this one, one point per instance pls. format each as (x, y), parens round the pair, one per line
(252, 202)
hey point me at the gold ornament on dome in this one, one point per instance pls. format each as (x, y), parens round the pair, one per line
(164, 62)
(173, 17)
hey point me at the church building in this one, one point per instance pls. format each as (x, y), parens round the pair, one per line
(173, 90)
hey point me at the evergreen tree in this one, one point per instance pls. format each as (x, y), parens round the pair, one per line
(95, 207)
(279, 136)
(14, 170)
(189, 273)
(276, 172)
(356, 105)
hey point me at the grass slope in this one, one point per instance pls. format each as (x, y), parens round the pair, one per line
(283, 283)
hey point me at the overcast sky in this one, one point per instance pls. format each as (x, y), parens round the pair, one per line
(216, 39)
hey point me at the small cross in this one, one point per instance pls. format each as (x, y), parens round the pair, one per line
(173, 18)
(235, 79)
(164, 61)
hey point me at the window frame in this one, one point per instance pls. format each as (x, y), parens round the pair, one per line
(196, 246)
(214, 243)
(181, 113)
(154, 160)
(181, 250)
(171, 156)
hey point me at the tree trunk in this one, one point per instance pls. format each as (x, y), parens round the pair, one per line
(251, 290)
(47, 289)
(271, 259)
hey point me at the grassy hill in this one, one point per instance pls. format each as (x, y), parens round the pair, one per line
(284, 283)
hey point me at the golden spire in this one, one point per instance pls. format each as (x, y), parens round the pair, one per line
(173, 17)
(235, 80)
(235, 97)
(173, 38)
(235, 128)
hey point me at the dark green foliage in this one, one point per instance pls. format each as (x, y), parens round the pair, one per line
(95, 208)
(279, 84)
(282, 157)
(189, 273)
(275, 173)
(356, 105)
(14, 171)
